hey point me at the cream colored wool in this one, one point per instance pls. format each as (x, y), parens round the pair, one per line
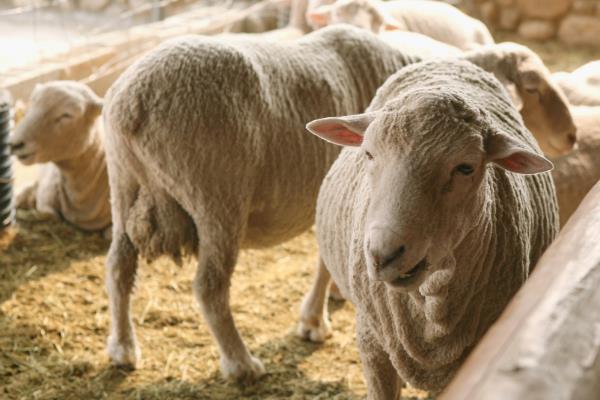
(576, 172)
(582, 86)
(438, 20)
(61, 130)
(480, 234)
(207, 150)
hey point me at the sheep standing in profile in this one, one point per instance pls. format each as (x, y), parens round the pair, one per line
(61, 130)
(435, 19)
(431, 218)
(207, 151)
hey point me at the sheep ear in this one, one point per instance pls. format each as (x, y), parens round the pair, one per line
(390, 23)
(95, 105)
(319, 15)
(512, 91)
(343, 131)
(513, 156)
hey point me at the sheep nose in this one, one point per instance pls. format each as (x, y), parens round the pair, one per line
(572, 138)
(16, 146)
(382, 261)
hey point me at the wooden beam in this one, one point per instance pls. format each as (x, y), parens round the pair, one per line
(546, 344)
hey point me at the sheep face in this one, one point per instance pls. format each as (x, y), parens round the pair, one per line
(426, 158)
(542, 104)
(360, 13)
(58, 124)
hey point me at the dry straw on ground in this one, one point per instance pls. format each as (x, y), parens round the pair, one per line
(54, 319)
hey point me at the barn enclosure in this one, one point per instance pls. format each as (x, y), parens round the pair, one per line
(54, 309)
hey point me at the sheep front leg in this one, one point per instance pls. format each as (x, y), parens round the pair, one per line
(314, 320)
(217, 259)
(25, 197)
(121, 266)
(383, 382)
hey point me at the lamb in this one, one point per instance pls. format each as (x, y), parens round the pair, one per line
(207, 153)
(582, 86)
(431, 248)
(61, 130)
(575, 173)
(435, 19)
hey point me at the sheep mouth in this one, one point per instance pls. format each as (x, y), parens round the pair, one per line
(412, 276)
(24, 157)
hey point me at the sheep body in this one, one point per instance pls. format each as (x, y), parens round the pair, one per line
(211, 133)
(62, 131)
(423, 333)
(435, 19)
(419, 44)
(582, 86)
(575, 173)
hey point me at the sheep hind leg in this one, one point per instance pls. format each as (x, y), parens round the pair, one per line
(121, 266)
(314, 319)
(218, 253)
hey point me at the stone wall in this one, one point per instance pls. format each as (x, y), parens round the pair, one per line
(571, 21)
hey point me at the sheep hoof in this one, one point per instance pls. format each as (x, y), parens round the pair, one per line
(314, 329)
(242, 371)
(123, 355)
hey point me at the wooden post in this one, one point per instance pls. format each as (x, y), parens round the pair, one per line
(546, 344)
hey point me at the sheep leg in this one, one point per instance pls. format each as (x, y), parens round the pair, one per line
(383, 382)
(314, 320)
(121, 266)
(217, 259)
(25, 197)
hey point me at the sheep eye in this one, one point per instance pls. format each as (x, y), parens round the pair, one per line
(465, 169)
(531, 91)
(369, 155)
(64, 116)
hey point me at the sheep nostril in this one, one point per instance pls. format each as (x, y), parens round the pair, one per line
(385, 261)
(16, 146)
(572, 138)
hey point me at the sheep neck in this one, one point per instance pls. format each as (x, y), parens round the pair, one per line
(496, 61)
(83, 191)
(430, 335)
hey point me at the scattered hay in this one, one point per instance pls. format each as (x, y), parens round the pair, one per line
(54, 321)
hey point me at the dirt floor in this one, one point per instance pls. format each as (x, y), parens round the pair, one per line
(54, 319)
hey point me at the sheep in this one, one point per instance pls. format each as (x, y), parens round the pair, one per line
(542, 104)
(582, 86)
(435, 19)
(575, 173)
(430, 219)
(62, 131)
(207, 154)
(419, 44)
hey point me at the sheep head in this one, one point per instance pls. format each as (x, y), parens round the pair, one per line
(543, 106)
(58, 124)
(427, 154)
(360, 13)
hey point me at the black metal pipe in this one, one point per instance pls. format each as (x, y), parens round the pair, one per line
(7, 212)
